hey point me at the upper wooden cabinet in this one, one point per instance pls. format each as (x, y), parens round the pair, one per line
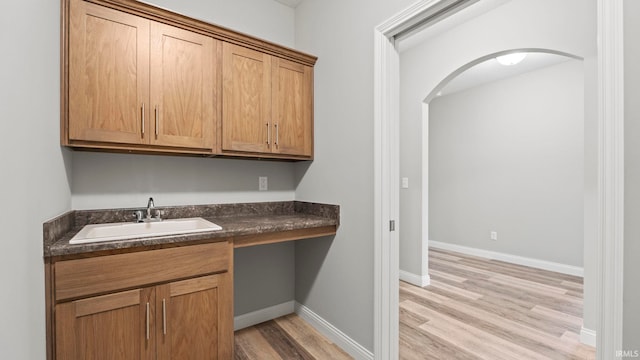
(182, 88)
(246, 101)
(292, 104)
(138, 78)
(108, 75)
(135, 81)
(267, 104)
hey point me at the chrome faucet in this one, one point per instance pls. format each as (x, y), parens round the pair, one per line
(138, 214)
(150, 206)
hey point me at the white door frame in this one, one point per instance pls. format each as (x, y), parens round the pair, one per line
(610, 178)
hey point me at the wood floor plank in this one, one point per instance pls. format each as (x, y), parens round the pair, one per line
(474, 309)
(305, 335)
(558, 315)
(285, 338)
(282, 343)
(489, 309)
(526, 336)
(455, 290)
(468, 338)
(443, 275)
(250, 344)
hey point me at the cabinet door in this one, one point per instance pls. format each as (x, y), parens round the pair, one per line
(182, 87)
(292, 104)
(246, 103)
(115, 326)
(108, 75)
(195, 319)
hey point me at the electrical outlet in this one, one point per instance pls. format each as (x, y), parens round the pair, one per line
(405, 182)
(494, 235)
(263, 183)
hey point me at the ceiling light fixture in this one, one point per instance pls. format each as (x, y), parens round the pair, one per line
(511, 59)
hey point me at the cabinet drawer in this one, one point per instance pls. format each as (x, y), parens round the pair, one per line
(82, 277)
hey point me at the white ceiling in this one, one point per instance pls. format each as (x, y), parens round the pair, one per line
(290, 3)
(490, 70)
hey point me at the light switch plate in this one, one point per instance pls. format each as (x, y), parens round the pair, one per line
(405, 182)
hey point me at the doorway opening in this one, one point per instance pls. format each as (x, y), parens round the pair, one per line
(502, 149)
(610, 171)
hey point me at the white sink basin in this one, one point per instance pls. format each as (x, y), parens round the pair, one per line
(123, 231)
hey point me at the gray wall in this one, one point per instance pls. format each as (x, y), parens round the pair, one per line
(334, 277)
(35, 170)
(508, 157)
(631, 333)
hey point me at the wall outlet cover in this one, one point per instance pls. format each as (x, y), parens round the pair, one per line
(263, 183)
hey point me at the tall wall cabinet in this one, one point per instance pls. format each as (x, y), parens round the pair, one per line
(140, 79)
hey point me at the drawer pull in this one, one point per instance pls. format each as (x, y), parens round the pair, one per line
(147, 322)
(164, 316)
(142, 119)
(157, 122)
(268, 134)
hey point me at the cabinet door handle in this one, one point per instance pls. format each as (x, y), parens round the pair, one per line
(142, 119)
(277, 133)
(164, 316)
(147, 322)
(156, 110)
(268, 134)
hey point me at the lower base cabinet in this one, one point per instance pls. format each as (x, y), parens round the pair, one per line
(182, 319)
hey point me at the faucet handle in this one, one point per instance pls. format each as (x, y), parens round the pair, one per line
(138, 215)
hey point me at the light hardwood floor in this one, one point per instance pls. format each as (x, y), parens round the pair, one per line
(486, 309)
(473, 309)
(285, 338)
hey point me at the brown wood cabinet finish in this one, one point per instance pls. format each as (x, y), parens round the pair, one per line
(182, 82)
(246, 106)
(138, 82)
(179, 314)
(137, 78)
(107, 327)
(267, 105)
(108, 74)
(292, 89)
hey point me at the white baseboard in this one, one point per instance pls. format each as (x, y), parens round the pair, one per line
(262, 315)
(514, 259)
(334, 334)
(588, 336)
(415, 279)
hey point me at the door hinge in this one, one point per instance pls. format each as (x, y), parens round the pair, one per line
(392, 225)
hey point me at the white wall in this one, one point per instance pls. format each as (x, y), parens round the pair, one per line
(508, 157)
(334, 277)
(631, 332)
(34, 181)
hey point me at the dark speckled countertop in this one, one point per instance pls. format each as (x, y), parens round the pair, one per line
(235, 219)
